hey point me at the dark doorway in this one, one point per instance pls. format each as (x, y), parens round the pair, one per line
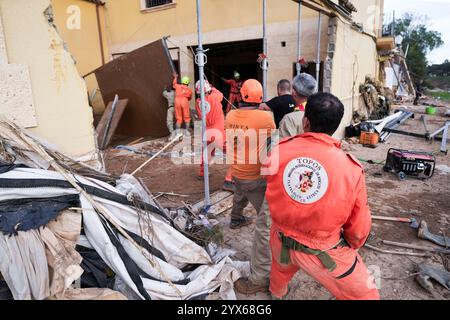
(225, 58)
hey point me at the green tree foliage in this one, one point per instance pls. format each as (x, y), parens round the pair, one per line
(440, 70)
(419, 40)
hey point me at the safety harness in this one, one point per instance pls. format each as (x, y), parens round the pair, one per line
(322, 255)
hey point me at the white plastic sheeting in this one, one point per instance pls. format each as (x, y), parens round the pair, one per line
(178, 250)
(23, 265)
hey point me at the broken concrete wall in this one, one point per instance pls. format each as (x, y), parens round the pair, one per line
(63, 115)
(15, 79)
(77, 24)
(355, 56)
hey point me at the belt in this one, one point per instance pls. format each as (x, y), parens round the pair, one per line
(322, 255)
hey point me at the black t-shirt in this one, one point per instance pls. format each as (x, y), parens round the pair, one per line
(281, 106)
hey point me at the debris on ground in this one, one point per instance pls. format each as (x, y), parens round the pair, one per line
(104, 232)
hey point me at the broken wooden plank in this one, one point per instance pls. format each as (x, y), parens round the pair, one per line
(135, 141)
(102, 127)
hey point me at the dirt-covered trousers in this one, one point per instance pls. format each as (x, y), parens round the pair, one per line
(253, 191)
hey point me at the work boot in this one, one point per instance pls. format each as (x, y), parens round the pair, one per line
(201, 174)
(172, 135)
(228, 186)
(245, 286)
(240, 222)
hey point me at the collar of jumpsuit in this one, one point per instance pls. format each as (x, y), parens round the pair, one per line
(316, 192)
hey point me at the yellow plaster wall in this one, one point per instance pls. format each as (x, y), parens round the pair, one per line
(62, 109)
(84, 42)
(354, 58)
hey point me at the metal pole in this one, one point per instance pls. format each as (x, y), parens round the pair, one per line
(319, 35)
(393, 24)
(100, 34)
(444, 139)
(299, 36)
(264, 62)
(201, 61)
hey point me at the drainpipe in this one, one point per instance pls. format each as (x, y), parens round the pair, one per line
(100, 34)
(319, 35)
(200, 59)
(264, 62)
(299, 36)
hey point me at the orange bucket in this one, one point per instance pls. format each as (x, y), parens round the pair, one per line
(369, 138)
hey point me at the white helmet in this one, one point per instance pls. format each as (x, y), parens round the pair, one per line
(207, 88)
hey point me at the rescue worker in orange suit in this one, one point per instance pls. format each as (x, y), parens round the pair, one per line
(183, 94)
(215, 127)
(318, 204)
(249, 131)
(235, 88)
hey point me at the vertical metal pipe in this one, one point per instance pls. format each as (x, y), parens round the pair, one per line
(393, 24)
(201, 61)
(299, 38)
(100, 34)
(264, 62)
(319, 35)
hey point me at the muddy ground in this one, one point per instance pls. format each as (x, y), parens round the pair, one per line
(388, 196)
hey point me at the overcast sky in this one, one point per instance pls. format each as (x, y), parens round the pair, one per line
(438, 12)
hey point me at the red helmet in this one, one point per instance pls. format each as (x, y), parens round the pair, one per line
(252, 91)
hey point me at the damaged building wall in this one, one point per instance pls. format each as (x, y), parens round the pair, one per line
(369, 15)
(281, 59)
(352, 55)
(77, 23)
(127, 28)
(345, 52)
(63, 114)
(15, 78)
(354, 58)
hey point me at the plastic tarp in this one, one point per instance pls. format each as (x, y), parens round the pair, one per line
(157, 279)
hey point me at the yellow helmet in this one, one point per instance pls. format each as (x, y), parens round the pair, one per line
(185, 80)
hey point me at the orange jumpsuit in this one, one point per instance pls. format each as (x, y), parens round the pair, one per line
(317, 196)
(182, 97)
(215, 126)
(235, 93)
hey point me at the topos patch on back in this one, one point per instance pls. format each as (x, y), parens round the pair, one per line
(305, 180)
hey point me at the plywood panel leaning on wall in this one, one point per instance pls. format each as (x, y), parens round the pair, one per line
(139, 76)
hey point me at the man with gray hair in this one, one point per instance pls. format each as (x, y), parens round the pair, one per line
(303, 86)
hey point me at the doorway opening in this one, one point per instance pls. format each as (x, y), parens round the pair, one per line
(225, 58)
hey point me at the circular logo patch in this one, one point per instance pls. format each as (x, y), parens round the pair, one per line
(305, 180)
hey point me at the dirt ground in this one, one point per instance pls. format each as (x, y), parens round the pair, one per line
(388, 196)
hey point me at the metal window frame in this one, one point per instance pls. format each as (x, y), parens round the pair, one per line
(144, 6)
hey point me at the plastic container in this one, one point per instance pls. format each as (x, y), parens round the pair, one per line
(430, 110)
(370, 139)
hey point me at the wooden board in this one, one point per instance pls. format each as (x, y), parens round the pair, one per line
(139, 76)
(101, 127)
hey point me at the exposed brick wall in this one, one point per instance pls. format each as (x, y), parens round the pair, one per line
(328, 69)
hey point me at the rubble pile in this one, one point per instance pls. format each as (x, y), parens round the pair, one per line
(68, 231)
(377, 101)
